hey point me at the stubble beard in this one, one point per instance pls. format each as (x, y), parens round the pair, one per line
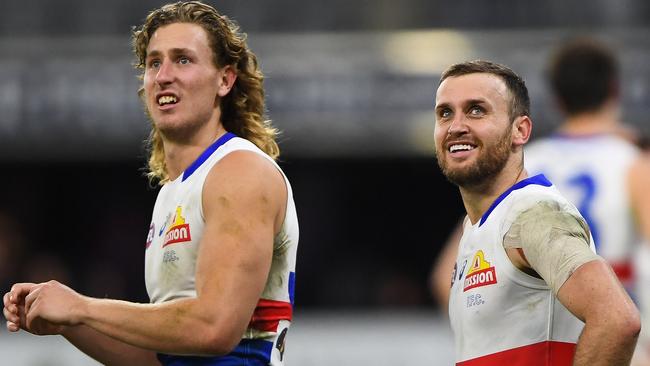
(180, 131)
(487, 166)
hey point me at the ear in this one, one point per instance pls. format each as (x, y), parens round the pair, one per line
(228, 75)
(522, 127)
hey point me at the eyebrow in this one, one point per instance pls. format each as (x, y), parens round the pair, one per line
(474, 101)
(465, 103)
(173, 51)
(442, 106)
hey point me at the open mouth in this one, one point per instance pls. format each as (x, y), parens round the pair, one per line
(460, 147)
(164, 100)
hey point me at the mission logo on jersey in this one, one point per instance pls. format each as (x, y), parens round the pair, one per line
(178, 231)
(480, 273)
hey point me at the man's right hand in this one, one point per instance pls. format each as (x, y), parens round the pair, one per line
(14, 305)
(14, 310)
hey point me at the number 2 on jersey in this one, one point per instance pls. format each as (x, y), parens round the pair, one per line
(586, 183)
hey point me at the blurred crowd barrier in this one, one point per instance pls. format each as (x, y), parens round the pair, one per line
(316, 339)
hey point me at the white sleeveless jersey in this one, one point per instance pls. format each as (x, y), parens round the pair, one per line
(591, 172)
(499, 314)
(171, 255)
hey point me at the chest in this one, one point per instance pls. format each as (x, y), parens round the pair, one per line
(477, 279)
(487, 289)
(172, 245)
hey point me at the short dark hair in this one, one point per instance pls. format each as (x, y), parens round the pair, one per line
(583, 74)
(520, 103)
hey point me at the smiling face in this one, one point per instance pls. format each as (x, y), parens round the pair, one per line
(473, 130)
(182, 85)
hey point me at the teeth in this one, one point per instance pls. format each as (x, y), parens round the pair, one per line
(454, 148)
(166, 99)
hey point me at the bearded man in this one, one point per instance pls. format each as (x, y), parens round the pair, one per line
(527, 287)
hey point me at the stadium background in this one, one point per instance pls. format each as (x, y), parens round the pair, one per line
(351, 85)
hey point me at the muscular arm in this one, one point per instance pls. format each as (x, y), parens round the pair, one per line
(244, 201)
(594, 295)
(100, 347)
(106, 350)
(554, 244)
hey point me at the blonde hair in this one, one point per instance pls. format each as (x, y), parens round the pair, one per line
(243, 109)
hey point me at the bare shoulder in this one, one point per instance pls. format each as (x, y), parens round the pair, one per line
(246, 179)
(246, 164)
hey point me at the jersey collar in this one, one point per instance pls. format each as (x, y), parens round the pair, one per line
(206, 154)
(539, 179)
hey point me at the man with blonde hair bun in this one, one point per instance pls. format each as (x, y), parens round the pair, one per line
(221, 249)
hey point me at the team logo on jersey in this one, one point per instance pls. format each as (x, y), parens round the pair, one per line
(462, 270)
(152, 232)
(280, 345)
(179, 230)
(453, 274)
(167, 222)
(480, 273)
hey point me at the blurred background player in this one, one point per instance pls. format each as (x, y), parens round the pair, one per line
(221, 249)
(595, 161)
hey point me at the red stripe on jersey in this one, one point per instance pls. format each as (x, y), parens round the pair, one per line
(624, 271)
(548, 353)
(268, 313)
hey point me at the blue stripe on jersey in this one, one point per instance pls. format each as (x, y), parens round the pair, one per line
(206, 154)
(539, 179)
(249, 352)
(292, 285)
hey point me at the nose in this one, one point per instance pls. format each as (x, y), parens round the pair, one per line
(165, 74)
(458, 126)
